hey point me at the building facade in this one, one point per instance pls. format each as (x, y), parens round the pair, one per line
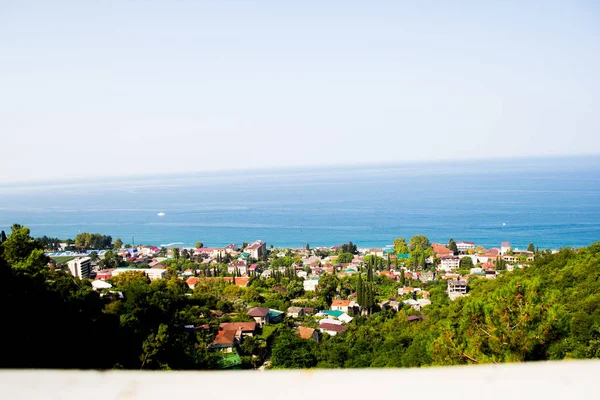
(80, 267)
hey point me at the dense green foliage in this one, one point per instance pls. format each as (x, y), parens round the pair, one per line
(94, 241)
(549, 310)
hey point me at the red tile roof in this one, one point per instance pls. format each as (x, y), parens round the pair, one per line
(340, 303)
(243, 326)
(305, 332)
(332, 327)
(239, 280)
(224, 338)
(258, 312)
(192, 281)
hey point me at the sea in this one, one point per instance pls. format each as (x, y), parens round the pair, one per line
(551, 202)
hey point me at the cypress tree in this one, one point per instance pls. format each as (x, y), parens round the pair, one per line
(359, 291)
(388, 262)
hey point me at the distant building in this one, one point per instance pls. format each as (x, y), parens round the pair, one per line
(449, 263)
(308, 333)
(342, 305)
(463, 246)
(80, 267)
(504, 248)
(152, 273)
(457, 286)
(256, 249)
(441, 251)
(311, 284)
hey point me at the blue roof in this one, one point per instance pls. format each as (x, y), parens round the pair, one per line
(334, 313)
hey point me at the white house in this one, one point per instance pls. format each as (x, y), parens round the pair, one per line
(311, 284)
(448, 263)
(256, 249)
(504, 247)
(463, 246)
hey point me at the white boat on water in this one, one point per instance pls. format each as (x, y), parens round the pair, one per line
(161, 214)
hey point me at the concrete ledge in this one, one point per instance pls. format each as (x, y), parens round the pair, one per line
(556, 380)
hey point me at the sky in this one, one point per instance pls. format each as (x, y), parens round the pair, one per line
(94, 89)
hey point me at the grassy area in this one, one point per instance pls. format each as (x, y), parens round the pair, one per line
(63, 259)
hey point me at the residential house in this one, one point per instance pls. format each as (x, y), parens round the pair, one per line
(376, 252)
(260, 315)
(449, 263)
(246, 328)
(441, 251)
(342, 305)
(308, 333)
(310, 284)
(224, 341)
(463, 246)
(331, 328)
(231, 248)
(413, 303)
(192, 282)
(241, 281)
(295, 312)
(456, 288)
(256, 249)
(490, 274)
(504, 248)
(264, 316)
(423, 302)
(239, 266)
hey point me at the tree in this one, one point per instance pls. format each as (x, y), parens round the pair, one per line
(128, 277)
(327, 288)
(290, 351)
(345, 258)
(359, 291)
(307, 247)
(175, 253)
(94, 256)
(400, 246)
(19, 245)
(118, 244)
(199, 245)
(452, 246)
(154, 345)
(466, 263)
(531, 248)
(419, 242)
(349, 248)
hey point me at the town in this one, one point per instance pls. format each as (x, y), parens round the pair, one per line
(313, 291)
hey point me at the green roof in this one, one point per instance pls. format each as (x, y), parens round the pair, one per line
(334, 313)
(403, 255)
(388, 251)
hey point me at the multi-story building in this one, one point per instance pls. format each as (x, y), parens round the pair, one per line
(463, 246)
(256, 249)
(504, 248)
(81, 267)
(457, 286)
(449, 263)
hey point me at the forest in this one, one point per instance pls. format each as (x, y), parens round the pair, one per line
(547, 311)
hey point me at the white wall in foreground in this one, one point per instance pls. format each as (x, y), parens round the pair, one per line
(548, 380)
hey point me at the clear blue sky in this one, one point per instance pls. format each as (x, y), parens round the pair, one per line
(90, 88)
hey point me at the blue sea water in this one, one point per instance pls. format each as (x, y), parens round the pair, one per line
(552, 202)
